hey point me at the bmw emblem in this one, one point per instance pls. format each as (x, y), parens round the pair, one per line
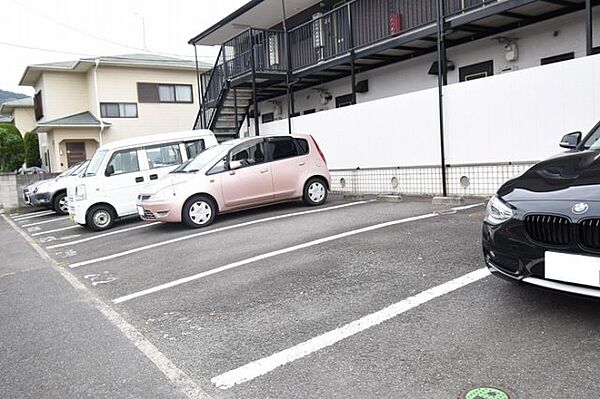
(579, 208)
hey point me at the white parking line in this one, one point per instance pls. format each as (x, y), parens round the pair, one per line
(111, 233)
(177, 377)
(270, 255)
(203, 233)
(265, 365)
(55, 230)
(58, 219)
(36, 215)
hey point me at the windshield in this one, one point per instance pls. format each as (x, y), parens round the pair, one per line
(69, 171)
(593, 141)
(79, 169)
(94, 166)
(201, 160)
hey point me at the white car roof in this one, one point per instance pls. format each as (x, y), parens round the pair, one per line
(157, 138)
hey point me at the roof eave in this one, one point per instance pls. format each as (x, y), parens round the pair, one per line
(243, 9)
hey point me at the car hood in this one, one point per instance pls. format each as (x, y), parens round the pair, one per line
(33, 185)
(169, 180)
(573, 176)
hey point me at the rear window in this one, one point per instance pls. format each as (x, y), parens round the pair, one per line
(302, 146)
(282, 147)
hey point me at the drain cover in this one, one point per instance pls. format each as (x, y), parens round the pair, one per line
(486, 393)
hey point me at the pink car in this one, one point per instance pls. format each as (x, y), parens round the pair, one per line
(239, 174)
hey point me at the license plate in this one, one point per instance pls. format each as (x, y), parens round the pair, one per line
(140, 210)
(576, 269)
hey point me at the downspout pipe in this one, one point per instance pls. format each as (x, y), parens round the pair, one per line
(97, 107)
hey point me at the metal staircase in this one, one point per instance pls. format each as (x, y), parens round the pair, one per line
(229, 88)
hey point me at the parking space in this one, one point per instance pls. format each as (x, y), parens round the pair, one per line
(358, 298)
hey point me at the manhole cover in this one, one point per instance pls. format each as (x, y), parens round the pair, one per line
(487, 393)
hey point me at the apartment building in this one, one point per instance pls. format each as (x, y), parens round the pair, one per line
(20, 113)
(368, 78)
(82, 104)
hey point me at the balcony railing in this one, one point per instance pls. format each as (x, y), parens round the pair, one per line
(363, 22)
(351, 26)
(262, 49)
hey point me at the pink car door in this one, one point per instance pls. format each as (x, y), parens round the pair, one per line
(288, 166)
(251, 184)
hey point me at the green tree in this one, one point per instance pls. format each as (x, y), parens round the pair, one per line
(12, 148)
(32, 149)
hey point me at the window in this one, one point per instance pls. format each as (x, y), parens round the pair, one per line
(282, 147)
(163, 156)
(118, 110)
(302, 146)
(269, 117)
(343, 101)
(164, 93)
(557, 58)
(124, 162)
(250, 153)
(476, 71)
(219, 167)
(193, 148)
(37, 106)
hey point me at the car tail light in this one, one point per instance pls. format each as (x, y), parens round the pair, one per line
(318, 149)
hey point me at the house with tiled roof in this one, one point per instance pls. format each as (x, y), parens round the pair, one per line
(82, 104)
(20, 113)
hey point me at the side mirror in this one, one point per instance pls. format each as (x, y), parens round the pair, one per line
(110, 170)
(571, 140)
(233, 165)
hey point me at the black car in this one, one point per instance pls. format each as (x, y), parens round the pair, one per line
(543, 227)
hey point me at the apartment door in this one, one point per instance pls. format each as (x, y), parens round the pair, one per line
(75, 153)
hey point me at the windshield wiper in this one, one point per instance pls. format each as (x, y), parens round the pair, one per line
(192, 171)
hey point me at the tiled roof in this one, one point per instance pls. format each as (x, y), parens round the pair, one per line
(82, 118)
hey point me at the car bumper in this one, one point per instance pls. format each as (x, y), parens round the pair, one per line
(159, 210)
(510, 254)
(78, 210)
(40, 199)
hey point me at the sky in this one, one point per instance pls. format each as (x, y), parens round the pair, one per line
(40, 31)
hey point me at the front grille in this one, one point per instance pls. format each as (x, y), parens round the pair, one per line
(149, 215)
(549, 229)
(589, 233)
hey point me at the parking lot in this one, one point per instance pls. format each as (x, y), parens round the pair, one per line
(358, 298)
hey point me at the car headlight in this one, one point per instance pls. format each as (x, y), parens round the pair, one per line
(497, 211)
(80, 193)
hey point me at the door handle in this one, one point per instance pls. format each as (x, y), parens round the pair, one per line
(264, 171)
(139, 179)
(232, 172)
(302, 164)
(153, 177)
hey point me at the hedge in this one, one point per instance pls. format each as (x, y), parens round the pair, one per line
(32, 149)
(12, 148)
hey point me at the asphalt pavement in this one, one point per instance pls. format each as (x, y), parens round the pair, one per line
(355, 299)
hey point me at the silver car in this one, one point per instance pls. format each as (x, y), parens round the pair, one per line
(52, 193)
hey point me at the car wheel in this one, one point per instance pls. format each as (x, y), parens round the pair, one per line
(199, 211)
(315, 192)
(60, 204)
(100, 217)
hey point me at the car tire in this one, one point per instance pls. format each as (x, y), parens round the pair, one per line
(315, 192)
(60, 204)
(199, 211)
(100, 217)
